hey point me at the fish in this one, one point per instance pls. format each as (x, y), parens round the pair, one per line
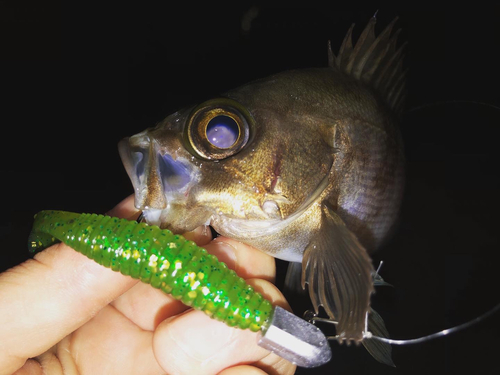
(306, 165)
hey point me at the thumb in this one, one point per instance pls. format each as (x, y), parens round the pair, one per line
(46, 298)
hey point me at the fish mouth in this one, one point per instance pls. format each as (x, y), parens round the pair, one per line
(159, 179)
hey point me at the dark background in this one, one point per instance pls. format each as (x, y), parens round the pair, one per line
(76, 81)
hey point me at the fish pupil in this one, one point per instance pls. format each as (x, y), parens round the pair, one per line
(222, 131)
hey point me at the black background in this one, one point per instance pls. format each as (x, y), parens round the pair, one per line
(76, 81)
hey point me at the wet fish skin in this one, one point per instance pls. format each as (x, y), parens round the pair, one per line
(326, 124)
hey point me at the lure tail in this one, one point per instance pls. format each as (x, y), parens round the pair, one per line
(43, 233)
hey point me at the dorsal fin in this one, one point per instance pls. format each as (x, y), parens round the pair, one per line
(374, 61)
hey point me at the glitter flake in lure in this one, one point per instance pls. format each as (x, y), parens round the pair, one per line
(187, 272)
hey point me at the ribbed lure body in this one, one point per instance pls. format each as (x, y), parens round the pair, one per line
(160, 258)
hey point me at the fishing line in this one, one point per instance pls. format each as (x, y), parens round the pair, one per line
(444, 332)
(369, 336)
(312, 317)
(377, 272)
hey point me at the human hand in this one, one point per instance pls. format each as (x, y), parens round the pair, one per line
(62, 313)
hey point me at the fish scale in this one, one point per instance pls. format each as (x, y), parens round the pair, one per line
(374, 197)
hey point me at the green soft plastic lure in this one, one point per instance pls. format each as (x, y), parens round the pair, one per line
(157, 257)
(187, 272)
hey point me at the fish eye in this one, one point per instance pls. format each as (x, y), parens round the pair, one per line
(222, 131)
(218, 129)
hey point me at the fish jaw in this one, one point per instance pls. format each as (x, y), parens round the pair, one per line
(162, 179)
(173, 191)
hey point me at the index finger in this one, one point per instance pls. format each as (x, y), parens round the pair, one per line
(44, 299)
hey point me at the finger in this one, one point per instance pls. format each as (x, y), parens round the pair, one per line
(125, 209)
(243, 370)
(201, 235)
(147, 307)
(144, 305)
(31, 367)
(274, 364)
(192, 343)
(111, 344)
(247, 261)
(46, 298)
(108, 344)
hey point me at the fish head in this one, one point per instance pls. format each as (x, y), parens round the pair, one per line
(247, 157)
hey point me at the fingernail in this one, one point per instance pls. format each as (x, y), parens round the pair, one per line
(225, 252)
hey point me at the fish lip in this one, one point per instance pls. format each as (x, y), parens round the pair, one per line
(158, 178)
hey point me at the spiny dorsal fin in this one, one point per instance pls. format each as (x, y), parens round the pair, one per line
(375, 61)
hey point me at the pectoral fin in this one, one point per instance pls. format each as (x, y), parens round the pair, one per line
(338, 272)
(381, 351)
